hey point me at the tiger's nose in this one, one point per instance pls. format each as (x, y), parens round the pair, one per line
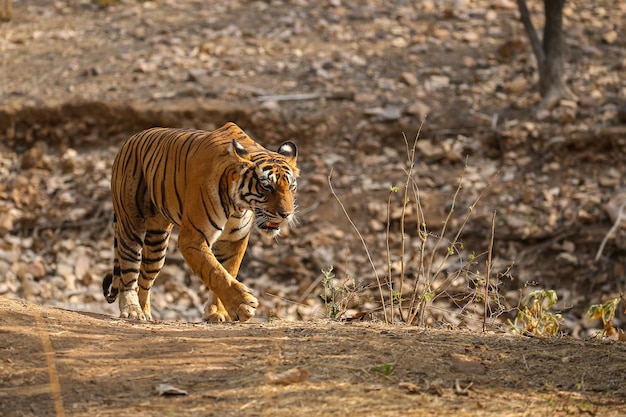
(284, 214)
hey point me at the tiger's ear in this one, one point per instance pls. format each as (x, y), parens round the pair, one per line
(290, 151)
(236, 148)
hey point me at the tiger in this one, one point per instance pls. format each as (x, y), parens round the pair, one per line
(215, 186)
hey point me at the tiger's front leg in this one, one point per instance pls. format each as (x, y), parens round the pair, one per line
(229, 254)
(236, 299)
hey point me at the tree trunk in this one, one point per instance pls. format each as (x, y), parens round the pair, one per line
(549, 53)
(5, 10)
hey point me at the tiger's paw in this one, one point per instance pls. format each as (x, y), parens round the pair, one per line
(129, 306)
(214, 314)
(246, 311)
(133, 313)
(242, 307)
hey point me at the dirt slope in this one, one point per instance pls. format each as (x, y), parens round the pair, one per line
(57, 362)
(345, 81)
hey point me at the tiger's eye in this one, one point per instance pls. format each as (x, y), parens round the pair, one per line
(267, 185)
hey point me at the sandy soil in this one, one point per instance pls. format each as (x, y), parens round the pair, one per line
(57, 362)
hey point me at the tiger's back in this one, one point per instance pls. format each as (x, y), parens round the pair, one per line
(215, 186)
(171, 161)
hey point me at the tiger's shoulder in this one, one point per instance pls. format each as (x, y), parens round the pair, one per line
(230, 131)
(221, 136)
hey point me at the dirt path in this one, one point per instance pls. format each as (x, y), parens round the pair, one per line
(345, 80)
(56, 363)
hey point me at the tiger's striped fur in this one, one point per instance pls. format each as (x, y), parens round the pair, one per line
(214, 186)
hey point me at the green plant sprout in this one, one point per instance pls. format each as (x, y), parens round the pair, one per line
(337, 299)
(385, 369)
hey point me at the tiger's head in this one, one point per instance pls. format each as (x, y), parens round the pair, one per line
(268, 185)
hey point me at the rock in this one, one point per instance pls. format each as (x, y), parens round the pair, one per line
(517, 85)
(469, 61)
(610, 37)
(399, 42)
(608, 181)
(69, 161)
(567, 258)
(439, 81)
(567, 116)
(364, 98)
(385, 113)
(145, 67)
(505, 4)
(614, 206)
(198, 75)
(568, 246)
(471, 37)
(82, 266)
(418, 109)
(7, 219)
(515, 222)
(441, 33)
(30, 287)
(291, 376)
(35, 269)
(491, 15)
(542, 114)
(571, 104)
(375, 225)
(34, 158)
(409, 79)
(428, 151)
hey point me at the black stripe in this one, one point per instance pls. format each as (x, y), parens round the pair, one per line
(242, 226)
(156, 242)
(128, 284)
(128, 253)
(208, 215)
(201, 233)
(153, 260)
(222, 259)
(140, 193)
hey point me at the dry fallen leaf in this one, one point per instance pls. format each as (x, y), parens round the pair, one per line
(291, 376)
(167, 389)
(410, 387)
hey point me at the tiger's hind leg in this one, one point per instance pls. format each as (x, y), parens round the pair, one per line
(158, 230)
(215, 312)
(129, 235)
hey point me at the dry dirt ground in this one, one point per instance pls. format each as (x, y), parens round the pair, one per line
(345, 81)
(57, 362)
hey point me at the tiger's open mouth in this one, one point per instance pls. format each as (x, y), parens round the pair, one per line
(265, 224)
(269, 227)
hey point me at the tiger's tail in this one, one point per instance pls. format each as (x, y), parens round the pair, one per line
(110, 283)
(110, 292)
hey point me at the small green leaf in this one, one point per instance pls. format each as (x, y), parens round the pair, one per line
(384, 369)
